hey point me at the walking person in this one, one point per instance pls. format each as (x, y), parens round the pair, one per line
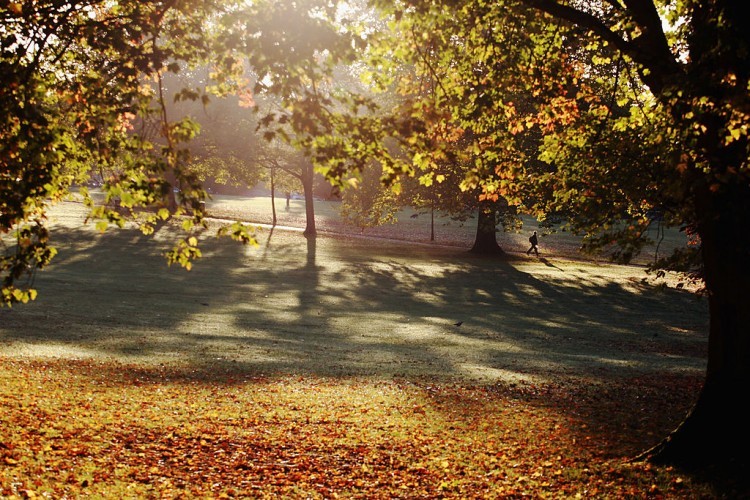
(534, 240)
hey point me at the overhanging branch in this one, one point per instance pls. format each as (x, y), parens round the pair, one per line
(649, 48)
(581, 19)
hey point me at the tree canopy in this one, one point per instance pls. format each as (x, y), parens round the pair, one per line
(80, 99)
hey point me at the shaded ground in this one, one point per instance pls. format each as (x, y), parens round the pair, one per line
(337, 365)
(333, 306)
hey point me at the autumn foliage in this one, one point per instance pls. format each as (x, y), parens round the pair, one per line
(105, 429)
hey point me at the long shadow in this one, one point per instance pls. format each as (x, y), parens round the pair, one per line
(549, 264)
(380, 316)
(331, 308)
(365, 308)
(110, 291)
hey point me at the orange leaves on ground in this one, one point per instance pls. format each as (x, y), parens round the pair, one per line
(111, 430)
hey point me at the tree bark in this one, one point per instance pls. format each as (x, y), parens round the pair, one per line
(485, 241)
(273, 198)
(716, 430)
(307, 186)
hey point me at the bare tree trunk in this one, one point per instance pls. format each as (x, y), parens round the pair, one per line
(307, 186)
(273, 198)
(432, 224)
(171, 195)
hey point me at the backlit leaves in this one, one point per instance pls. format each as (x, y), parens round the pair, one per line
(83, 100)
(73, 80)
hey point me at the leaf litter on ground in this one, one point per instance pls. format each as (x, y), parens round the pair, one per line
(70, 428)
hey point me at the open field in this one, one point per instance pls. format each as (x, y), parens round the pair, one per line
(415, 226)
(327, 367)
(335, 306)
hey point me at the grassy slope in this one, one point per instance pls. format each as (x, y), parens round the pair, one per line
(583, 355)
(353, 307)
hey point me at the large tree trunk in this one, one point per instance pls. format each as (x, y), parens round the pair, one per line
(485, 241)
(716, 431)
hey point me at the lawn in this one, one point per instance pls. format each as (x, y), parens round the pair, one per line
(335, 367)
(412, 225)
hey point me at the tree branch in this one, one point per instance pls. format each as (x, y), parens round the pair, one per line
(581, 19)
(650, 48)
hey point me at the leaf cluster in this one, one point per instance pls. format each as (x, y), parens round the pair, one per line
(86, 90)
(75, 82)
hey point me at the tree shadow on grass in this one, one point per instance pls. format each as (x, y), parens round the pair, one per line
(352, 307)
(358, 308)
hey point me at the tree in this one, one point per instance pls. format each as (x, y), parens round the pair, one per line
(678, 99)
(450, 114)
(228, 147)
(295, 168)
(367, 203)
(275, 158)
(82, 95)
(440, 189)
(293, 50)
(699, 75)
(78, 80)
(433, 193)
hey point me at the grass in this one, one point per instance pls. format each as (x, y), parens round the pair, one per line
(333, 367)
(415, 226)
(350, 306)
